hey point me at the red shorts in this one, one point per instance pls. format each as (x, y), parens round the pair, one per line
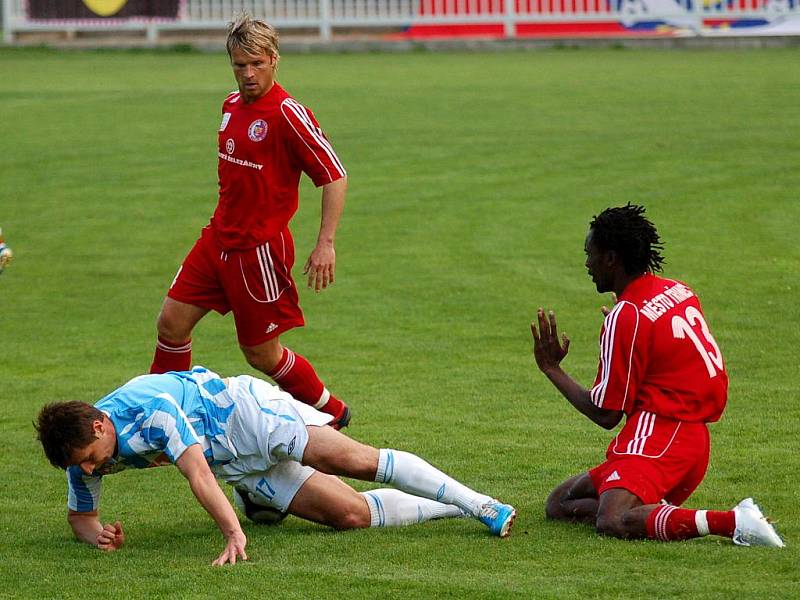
(255, 284)
(655, 458)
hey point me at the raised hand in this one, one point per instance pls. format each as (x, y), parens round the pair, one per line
(547, 349)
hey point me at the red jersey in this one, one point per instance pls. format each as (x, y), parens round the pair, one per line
(263, 148)
(658, 355)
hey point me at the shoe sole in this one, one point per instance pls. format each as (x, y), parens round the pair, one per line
(763, 535)
(505, 530)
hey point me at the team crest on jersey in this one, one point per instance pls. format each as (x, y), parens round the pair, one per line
(257, 130)
(225, 118)
(229, 146)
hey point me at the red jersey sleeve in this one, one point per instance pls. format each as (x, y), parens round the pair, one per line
(309, 146)
(621, 365)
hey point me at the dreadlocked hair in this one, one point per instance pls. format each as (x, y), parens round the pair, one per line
(63, 428)
(630, 234)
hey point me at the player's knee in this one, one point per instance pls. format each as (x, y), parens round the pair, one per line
(553, 508)
(171, 328)
(265, 360)
(351, 518)
(610, 525)
(254, 360)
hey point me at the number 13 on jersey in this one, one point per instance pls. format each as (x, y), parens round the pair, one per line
(686, 327)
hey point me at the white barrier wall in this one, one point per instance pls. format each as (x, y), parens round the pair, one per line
(688, 17)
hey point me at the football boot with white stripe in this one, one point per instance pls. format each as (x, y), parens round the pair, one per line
(498, 517)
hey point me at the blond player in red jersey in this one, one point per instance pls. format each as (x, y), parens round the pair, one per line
(661, 368)
(243, 259)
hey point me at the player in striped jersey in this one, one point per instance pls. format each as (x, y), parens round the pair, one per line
(662, 369)
(254, 436)
(243, 260)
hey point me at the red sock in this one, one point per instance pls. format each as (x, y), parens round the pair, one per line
(296, 375)
(170, 356)
(668, 523)
(720, 522)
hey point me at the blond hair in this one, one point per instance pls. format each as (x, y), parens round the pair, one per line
(252, 36)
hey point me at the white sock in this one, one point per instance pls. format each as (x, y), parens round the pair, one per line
(393, 508)
(411, 474)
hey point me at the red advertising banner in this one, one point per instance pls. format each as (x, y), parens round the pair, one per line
(102, 9)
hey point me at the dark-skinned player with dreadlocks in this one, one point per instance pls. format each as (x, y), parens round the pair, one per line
(661, 368)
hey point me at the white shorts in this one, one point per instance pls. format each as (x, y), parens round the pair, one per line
(268, 431)
(277, 486)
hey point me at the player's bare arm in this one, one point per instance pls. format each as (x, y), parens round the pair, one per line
(192, 464)
(549, 351)
(87, 528)
(321, 264)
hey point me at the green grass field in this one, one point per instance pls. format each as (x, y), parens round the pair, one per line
(472, 180)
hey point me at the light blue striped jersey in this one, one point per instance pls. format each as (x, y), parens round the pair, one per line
(156, 418)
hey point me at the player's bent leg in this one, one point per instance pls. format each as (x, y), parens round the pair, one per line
(327, 500)
(174, 325)
(573, 500)
(335, 453)
(622, 514)
(745, 524)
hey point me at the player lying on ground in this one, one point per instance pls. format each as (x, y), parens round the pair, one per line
(661, 367)
(254, 436)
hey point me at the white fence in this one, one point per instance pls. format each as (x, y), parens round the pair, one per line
(324, 16)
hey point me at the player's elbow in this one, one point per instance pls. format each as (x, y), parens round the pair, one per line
(608, 419)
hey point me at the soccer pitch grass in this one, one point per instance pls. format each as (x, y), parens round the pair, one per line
(472, 181)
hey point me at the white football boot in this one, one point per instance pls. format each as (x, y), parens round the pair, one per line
(752, 527)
